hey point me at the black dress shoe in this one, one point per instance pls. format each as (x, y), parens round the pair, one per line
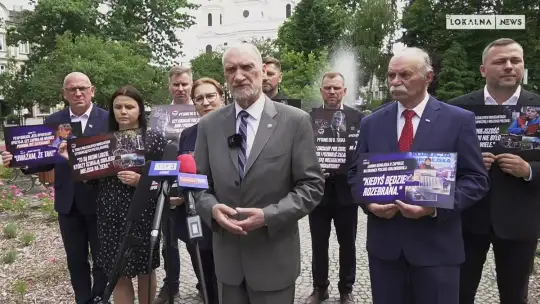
(318, 295)
(346, 298)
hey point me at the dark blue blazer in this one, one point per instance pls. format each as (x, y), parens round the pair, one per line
(186, 145)
(428, 241)
(66, 191)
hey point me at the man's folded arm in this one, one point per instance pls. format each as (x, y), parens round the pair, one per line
(307, 177)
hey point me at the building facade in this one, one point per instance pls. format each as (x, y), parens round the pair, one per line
(219, 23)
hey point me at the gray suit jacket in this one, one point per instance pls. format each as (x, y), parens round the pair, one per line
(283, 177)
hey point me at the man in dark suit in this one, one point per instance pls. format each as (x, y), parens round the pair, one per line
(507, 218)
(75, 202)
(336, 204)
(415, 252)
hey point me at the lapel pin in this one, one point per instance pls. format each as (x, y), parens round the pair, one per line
(427, 120)
(269, 126)
(90, 126)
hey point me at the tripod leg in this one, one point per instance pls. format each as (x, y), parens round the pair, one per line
(168, 244)
(201, 272)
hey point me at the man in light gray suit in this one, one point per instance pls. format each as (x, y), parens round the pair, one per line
(262, 181)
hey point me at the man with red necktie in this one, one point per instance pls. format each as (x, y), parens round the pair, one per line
(415, 252)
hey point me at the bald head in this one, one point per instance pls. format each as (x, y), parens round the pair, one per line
(78, 91)
(244, 69)
(78, 76)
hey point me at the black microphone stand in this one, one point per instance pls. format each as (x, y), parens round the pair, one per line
(194, 224)
(163, 206)
(130, 241)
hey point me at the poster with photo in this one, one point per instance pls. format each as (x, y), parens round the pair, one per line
(38, 144)
(171, 120)
(416, 178)
(336, 136)
(106, 154)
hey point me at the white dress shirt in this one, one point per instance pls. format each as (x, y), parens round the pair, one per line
(512, 101)
(190, 102)
(253, 120)
(83, 118)
(418, 110)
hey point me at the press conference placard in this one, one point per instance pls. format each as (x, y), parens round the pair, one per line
(416, 178)
(508, 129)
(38, 144)
(106, 154)
(171, 120)
(336, 135)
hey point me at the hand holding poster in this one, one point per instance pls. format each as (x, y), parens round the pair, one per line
(106, 154)
(171, 120)
(38, 144)
(507, 129)
(417, 178)
(335, 137)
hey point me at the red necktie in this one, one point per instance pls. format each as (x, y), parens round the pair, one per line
(407, 134)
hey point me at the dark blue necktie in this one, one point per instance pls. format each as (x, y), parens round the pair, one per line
(242, 156)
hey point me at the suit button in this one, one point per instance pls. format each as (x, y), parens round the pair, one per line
(237, 183)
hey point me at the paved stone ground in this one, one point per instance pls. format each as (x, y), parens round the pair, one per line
(487, 293)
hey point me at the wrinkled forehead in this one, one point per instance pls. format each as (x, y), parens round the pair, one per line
(333, 82)
(241, 56)
(404, 64)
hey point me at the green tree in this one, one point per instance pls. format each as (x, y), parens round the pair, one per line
(371, 26)
(154, 22)
(267, 46)
(208, 65)
(302, 75)
(456, 76)
(314, 25)
(108, 64)
(431, 33)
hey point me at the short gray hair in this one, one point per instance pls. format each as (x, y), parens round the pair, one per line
(180, 70)
(249, 47)
(498, 42)
(422, 56)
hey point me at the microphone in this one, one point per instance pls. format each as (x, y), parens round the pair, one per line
(169, 154)
(234, 141)
(188, 183)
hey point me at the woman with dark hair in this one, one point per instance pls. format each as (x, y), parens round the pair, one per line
(126, 112)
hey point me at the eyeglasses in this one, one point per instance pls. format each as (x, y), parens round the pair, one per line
(210, 97)
(73, 90)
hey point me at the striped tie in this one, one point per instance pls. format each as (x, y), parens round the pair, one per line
(242, 156)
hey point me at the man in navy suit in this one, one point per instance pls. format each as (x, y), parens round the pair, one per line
(415, 252)
(75, 202)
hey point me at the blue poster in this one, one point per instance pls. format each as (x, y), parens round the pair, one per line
(38, 144)
(416, 178)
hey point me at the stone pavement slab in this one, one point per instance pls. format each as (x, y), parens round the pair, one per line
(487, 292)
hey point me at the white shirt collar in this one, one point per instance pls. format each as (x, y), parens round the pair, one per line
(419, 109)
(340, 105)
(255, 110)
(511, 101)
(85, 114)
